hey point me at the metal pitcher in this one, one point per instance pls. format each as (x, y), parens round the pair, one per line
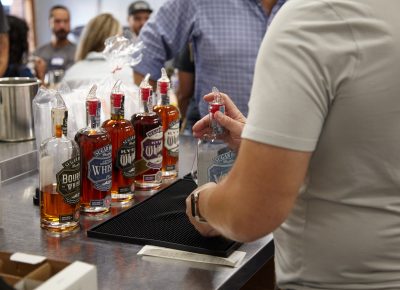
(16, 118)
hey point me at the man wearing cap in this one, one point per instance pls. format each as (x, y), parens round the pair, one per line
(138, 13)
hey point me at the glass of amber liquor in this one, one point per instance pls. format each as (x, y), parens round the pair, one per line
(169, 115)
(149, 139)
(123, 149)
(96, 160)
(59, 176)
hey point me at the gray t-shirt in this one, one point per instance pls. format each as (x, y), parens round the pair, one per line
(57, 58)
(327, 81)
(3, 20)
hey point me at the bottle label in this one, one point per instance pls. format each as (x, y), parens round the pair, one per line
(99, 203)
(65, 124)
(152, 148)
(153, 177)
(124, 190)
(222, 164)
(170, 167)
(100, 168)
(126, 157)
(171, 138)
(66, 218)
(69, 180)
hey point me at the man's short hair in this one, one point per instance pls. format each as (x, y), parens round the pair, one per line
(139, 6)
(57, 7)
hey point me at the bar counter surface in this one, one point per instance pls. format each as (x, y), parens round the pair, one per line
(118, 266)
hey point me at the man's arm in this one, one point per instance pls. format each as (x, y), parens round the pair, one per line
(257, 195)
(186, 90)
(4, 48)
(138, 78)
(40, 68)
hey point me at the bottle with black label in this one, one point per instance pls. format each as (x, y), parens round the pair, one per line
(59, 176)
(96, 160)
(169, 115)
(149, 141)
(123, 149)
(214, 157)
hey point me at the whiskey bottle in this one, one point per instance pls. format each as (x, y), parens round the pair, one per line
(96, 160)
(149, 139)
(123, 149)
(214, 157)
(59, 176)
(169, 115)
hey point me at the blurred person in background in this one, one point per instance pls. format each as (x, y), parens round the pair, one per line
(184, 63)
(91, 65)
(18, 36)
(58, 55)
(4, 42)
(226, 36)
(138, 14)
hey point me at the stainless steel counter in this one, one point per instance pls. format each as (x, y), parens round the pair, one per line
(17, 159)
(118, 266)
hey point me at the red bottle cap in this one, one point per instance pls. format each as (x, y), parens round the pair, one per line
(117, 100)
(215, 108)
(145, 93)
(163, 87)
(92, 106)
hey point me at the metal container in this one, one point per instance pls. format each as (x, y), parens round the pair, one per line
(16, 118)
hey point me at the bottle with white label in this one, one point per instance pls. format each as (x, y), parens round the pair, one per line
(149, 141)
(169, 115)
(96, 160)
(59, 176)
(214, 157)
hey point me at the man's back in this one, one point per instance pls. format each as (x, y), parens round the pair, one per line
(336, 91)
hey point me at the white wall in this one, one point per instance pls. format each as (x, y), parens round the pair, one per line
(81, 12)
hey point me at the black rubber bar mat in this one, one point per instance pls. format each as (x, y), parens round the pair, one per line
(161, 220)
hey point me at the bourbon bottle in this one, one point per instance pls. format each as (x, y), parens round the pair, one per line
(96, 160)
(214, 157)
(169, 115)
(123, 149)
(59, 176)
(149, 139)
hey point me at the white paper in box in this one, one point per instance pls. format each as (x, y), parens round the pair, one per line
(77, 276)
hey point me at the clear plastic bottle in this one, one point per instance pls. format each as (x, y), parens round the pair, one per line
(59, 176)
(214, 157)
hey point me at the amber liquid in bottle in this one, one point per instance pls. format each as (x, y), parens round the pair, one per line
(55, 210)
(96, 163)
(148, 130)
(148, 174)
(123, 152)
(59, 176)
(170, 116)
